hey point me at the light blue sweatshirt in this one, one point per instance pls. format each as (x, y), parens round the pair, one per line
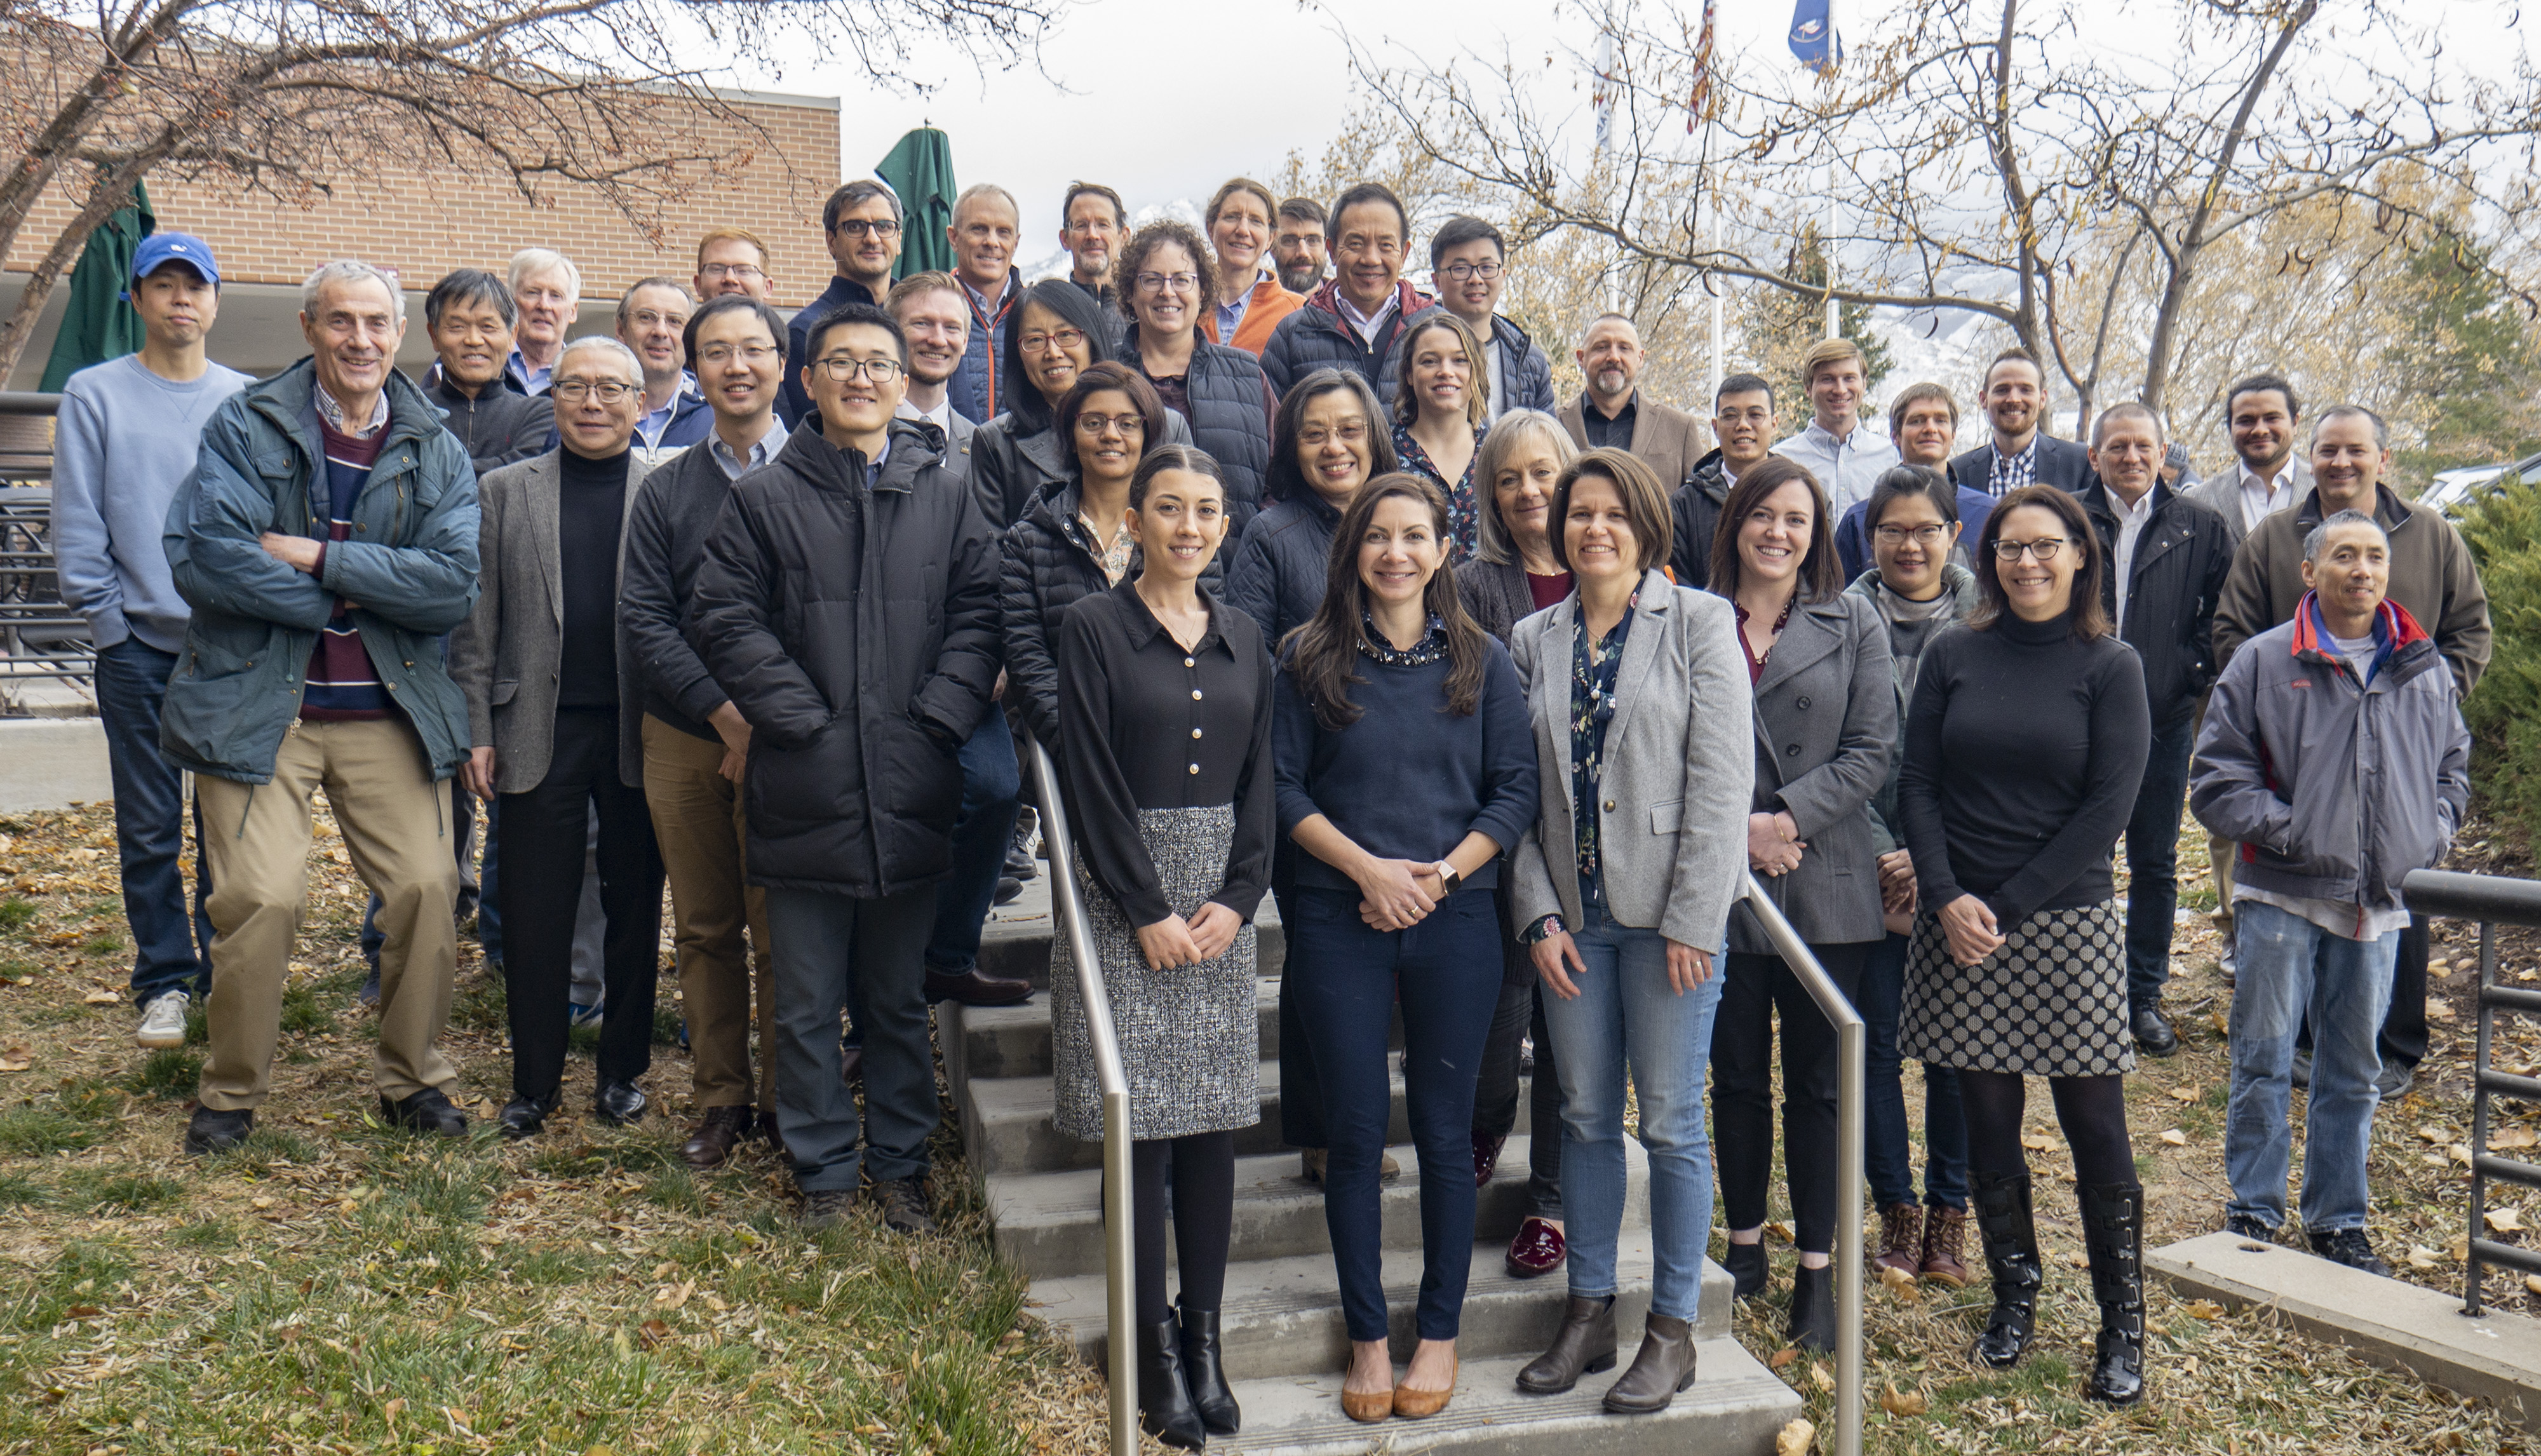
(125, 441)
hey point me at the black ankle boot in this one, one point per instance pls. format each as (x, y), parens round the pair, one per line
(1747, 1273)
(1813, 1309)
(2113, 1235)
(1205, 1377)
(2011, 1240)
(1164, 1402)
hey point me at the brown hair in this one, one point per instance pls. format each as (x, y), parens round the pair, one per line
(1233, 186)
(1825, 352)
(1645, 504)
(1109, 374)
(1821, 573)
(1133, 257)
(1478, 389)
(919, 285)
(2090, 618)
(1914, 395)
(1324, 653)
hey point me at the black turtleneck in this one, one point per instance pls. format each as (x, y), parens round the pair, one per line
(2025, 748)
(591, 510)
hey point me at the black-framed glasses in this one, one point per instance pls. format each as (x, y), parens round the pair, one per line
(606, 391)
(2044, 548)
(1459, 273)
(858, 227)
(1922, 535)
(880, 371)
(1159, 282)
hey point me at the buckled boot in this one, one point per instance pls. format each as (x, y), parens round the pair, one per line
(2113, 1235)
(2011, 1239)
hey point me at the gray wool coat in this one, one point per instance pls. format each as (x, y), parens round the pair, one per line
(1673, 811)
(1825, 728)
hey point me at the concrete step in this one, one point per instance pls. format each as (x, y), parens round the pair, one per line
(1050, 1224)
(1014, 1041)
(1735, 1409)
(1015, 942)
(1284, 1316)
(1007, 1124)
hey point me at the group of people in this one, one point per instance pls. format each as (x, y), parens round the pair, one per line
(1310, 590)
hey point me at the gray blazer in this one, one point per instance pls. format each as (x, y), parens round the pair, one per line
(1825, 726)
(2221, 494)
(1673, 823)
(506, 657)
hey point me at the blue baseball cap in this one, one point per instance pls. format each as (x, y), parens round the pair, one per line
(183, 248)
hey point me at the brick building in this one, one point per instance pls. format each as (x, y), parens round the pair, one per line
(423, 224)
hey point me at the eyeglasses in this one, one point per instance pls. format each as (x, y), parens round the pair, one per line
(653, 319)
(1060, 341)
(742, 272)
(749, 353)
(1159, 282)
(1097, 424)
(858, 226)
(606, 391)
(880, 371)
(1922, 536)
(1317, 439)
(1459, 273)
(2044, 548)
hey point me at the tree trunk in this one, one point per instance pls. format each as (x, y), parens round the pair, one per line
(23, 185)
(113, 189)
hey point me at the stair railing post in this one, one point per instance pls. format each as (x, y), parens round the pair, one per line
(1849, 1043)
(1118, 1237)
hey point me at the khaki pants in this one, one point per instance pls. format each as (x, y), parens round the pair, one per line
(395, 822)
(698, 823)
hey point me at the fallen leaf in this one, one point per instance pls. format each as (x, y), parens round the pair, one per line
(654, 1333)
(2532, 1282)
(1904, 1402)
(1795, 1440)
(2506, 1220)
(1782, 1229)
(1820, 1377)
(102, 997)
(2205, 1309)
(2458, 1250)
(2514, 1137)
(2424, 1258)
(2430, 1132)
(2185, 1094)
(2038, 1142)
(2440, 1011)
(2439, 966)
(83, 1311)
(601, 1448)
(261, 1202)
(1782, 1358)
(17, 1059)
(2434, 1160)
(1900, 1284)
(2175, 1138)
(2459, 1152)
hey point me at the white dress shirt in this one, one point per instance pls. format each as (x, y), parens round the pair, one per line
(2261, 499)
(2131, 520)
(1847, 467)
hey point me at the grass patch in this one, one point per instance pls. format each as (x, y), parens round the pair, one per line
(481, 1005)
(15, 914)
(40, 1131)
(266, 1150)
(104, 943)
(676, 1188)
(304, 1012)
(21, 1190)
(171, 1074)
(92, 1099)
(209, 1235)
(666, 1025)
(122, 1192)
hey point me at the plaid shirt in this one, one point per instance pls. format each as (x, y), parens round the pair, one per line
(2013, 471)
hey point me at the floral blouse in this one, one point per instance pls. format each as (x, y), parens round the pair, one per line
(1593, 668)
(1463, 526)
(1430, 648)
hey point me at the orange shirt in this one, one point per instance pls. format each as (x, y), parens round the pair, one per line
(1270, 304)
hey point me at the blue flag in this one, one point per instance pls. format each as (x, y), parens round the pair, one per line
(1813, 36)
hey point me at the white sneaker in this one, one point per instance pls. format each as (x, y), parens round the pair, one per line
(163, 1022)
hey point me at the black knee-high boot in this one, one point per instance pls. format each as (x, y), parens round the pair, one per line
(2112, 1234)
(2011, 1239)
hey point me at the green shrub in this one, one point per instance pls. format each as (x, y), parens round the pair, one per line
(2503, 525)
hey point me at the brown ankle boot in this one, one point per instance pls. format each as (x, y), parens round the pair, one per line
(1944, 1235)
(1901, 1239)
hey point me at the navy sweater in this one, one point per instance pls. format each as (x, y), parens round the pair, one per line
(1408, 780)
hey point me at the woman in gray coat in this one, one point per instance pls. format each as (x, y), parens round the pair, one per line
(1825, 722)
(1624, 886)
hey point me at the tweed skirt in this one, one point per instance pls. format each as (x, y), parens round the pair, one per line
(1190, 1039)
(2052, 1002)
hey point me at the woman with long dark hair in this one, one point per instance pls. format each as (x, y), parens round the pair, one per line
(1441, 409)
(1405, 767)
(1164, 701)
(2024, 747)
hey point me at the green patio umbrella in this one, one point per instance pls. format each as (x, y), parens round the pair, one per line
(97, 323)
(920, 171)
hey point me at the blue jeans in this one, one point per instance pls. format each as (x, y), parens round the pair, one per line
(990, 780)
(1885, 1163)
(171, 950)
(2289, 965)
(2152, 862)
(1343, 976)
(1627, 1012)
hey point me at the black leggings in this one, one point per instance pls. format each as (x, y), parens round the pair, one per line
(2092, 1110)
(1201, 1168)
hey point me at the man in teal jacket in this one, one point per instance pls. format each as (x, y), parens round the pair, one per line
(325, 540)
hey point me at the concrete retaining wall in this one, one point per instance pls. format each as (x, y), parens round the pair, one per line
(48, 762)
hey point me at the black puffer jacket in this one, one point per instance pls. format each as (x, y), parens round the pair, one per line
(856, 629)
(1694, 514)
(2182, 556)
(499, 427)
(1316, 336)
(1226, 388)
(1277, 575)
(1015, 460)
(1046, 563)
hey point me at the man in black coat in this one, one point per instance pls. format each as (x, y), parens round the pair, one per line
(1742, 420)
(2167, 557)
(2021, 453)
(847, 607)
(1353, 320)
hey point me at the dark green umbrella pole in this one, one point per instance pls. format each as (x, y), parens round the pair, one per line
(97, 323)
(920, 171)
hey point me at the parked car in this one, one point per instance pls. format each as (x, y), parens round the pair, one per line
(2450, 491)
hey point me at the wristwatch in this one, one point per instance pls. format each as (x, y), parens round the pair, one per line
(1448, 879)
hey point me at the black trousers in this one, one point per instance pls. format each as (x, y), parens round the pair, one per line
(544, 833)
(1742, 1089)
(1301, 1090)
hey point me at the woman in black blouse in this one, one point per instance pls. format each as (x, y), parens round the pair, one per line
(1164, 697)
(2024, 747)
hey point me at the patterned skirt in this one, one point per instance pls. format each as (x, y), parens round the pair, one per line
(2051, 1004)
(1190, 1037)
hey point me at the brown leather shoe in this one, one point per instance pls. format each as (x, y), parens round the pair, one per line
(713, 1140)
(1664, 1366)
(977, 988)
(1901, 1239)
(1945, 1236)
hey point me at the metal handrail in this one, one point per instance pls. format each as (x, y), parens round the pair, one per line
(1849, 1043)
(1121, 1249)
(2492, 901)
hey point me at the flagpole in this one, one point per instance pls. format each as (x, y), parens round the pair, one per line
(1826, 79)
(1719, 348)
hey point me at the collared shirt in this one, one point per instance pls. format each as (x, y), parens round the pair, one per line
(1367, 324)
(651, 423)
(2261, 499)
(761, 450)
(1847, 467)
(2015, 473)
(1497, 399)
(1113, 556)
(941, 416)
(2131, 520)
(1230, 316)
(531, 381)
(1604, 433)
(331, 412)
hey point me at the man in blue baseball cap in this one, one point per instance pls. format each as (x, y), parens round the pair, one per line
(125, 439)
